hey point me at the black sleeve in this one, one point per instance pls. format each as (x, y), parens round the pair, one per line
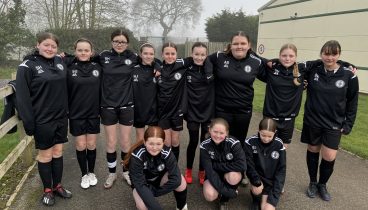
(351, 104)
(157, 64)
(213, 177)
(213, 58)
(208, 70)
(139, 182)
(23, 95)
(278, 183)
(238, 164)
(263, 68)
(174, 177)
(252, 173)
(68, 59)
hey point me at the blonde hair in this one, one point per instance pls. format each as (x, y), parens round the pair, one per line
(296, 68)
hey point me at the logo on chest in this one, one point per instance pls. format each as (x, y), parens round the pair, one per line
(254, 148)
(177, 76)
(226, 64)
(276, 72)
(95, 73)
(340, 83)
(316, 77)
(212, 154)
(39, 69)
(247, 69)
(127, 62)
(60, 66)
(161, 167)
(189, 78)
(107, 59)
(135, 78)
(275, 155)
(74, 73)
(229, 156)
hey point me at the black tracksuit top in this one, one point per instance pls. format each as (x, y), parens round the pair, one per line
(332, 101)
(234, 81)
(83, 88)
(145, 169)
(200, 94)
(116, 84)
(266, 163)
(228, 156)
(171, 89)
(41, 90)
(283, 98)
(145, 94)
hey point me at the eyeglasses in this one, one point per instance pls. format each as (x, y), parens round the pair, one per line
(118, 42)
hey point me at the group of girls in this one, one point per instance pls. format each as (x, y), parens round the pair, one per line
(121, 87)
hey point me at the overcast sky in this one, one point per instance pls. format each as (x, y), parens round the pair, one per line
(211, 7)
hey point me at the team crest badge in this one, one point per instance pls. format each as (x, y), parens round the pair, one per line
(59, 66)
(128, 62)
(229, 156)
(275, 155)
(247, 69)
(177, 76)
(340, 83)
(95, 73)
(74, 73)
(161, 167)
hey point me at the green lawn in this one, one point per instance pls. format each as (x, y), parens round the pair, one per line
(5, 73)
(356, 142)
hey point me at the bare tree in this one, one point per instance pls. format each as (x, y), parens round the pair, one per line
(166, 13)
(71, 14)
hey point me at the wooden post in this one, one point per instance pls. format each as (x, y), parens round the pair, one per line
(27, 155)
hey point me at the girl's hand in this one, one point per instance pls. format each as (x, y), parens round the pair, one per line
(157, 73)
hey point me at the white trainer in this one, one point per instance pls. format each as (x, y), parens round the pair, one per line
(110, 180)
(184, 208)
(92, 179)
(85, 182)
(126, 177)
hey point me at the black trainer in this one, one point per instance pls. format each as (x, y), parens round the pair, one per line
(62, 192)
(48, 198)
(325, 195)
(312, 190)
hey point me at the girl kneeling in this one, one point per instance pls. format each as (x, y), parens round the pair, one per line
(154, 171)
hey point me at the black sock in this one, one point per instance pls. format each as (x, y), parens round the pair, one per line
(312, 163)
(57, 170)
(91, 160)
(181, 198)
(325, 170)
(122, 155)
(176, 151)
(82, 161)
(111, 161)
(192, 146)
(45, 170)
(256, 202)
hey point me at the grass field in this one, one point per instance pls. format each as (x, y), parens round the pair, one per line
(356, 142)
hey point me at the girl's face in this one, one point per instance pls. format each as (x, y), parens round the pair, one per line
(287, 57)
(218, 133)
(266, 136)
(169, 55)
(119, 43)
(147, 55)
(239, 47)
(199, 54)
(83, 51)
(47, 48)
(330, 60)
(154, 145)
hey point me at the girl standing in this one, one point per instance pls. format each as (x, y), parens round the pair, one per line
(266, 165)
(145, 91)
(200, 96)
(224, 163)
(117, 104)
(42, 105)
(84, 107)
(155, 172)
(330, 111)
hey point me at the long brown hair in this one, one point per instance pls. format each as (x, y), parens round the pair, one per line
(151, 131)
(296, 68)
(238, 33)
(267, 124)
